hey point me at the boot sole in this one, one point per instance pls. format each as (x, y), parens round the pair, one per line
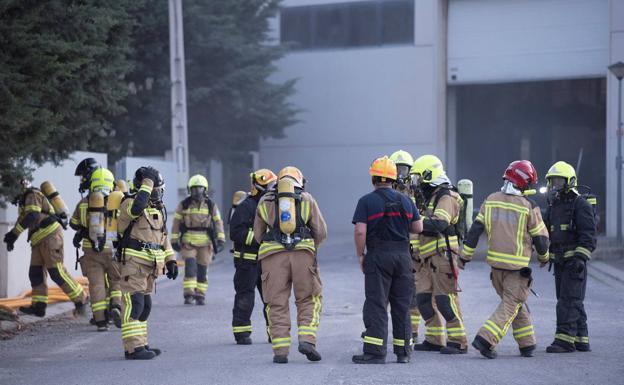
(375, 361)
(310, 353)
(489, 356)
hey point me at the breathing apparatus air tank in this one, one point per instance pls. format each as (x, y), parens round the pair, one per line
(97, 220)
(122, 186)
(112, 214)
(465, 189)
(286, 208)
(60, 208)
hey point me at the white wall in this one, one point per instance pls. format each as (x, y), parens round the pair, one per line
(14, 265)
(359, 104)
(616, 43)
(519, 40)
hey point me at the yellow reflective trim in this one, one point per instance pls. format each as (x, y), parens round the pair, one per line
(520, 235)
(583, 340)
(305, 211)
(241, 329)
(177, 216)
(507, 206)
(146, 188)
(196, 211)
(398, 342)
(565, 338)
(491, 330)
(40, 234)
(19, 229)
(442, 213)
(373, 341)
(250, 237)
(583, 251)
(263, 212)
(535, 231)
(524, 329)
(32, 208)
(479, 218)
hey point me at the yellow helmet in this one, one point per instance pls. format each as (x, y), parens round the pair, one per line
(383, 167)
(563, 170)
(102, 180)
(198, 181)
(294, 173)
(261, 180)
(429, 167)
(402, 158)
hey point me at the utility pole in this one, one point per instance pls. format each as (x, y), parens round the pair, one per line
(179, 127)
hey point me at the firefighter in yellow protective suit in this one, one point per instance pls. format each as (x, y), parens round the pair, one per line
(513, 224)
(45, 233)
(289, 227)
(197, 235)
(145, 251)
(97, 261)
(437, 273)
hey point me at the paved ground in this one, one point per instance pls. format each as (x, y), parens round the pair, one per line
(199, 348)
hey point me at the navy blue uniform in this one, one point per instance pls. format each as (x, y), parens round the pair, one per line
(248, 271)
(572, 228)
(388, 215)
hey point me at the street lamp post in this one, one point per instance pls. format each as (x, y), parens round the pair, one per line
(617, 69)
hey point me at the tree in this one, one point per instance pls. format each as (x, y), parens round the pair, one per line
(232, 102)
(62, 68)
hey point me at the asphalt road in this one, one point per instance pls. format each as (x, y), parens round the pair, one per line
(199, 348)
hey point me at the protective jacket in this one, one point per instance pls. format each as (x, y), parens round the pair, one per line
(513, 224)
(241, 230)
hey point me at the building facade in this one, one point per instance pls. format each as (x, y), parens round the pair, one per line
(477, 82)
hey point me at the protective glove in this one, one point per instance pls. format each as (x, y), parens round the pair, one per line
(9, 239)
(63, 220)
(151, 174)
(176, 246)
(172, 269)
(77, 239)
(220, 246)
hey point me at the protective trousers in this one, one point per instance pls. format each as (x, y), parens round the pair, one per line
(387, 279)
(113, 276)
(246, 280)
(196, 261)
(513, 289)
(570, 285)
(281, 273)
(434, 332)
(436, 284)
(48, 255)
(137, 283)
(96, 266)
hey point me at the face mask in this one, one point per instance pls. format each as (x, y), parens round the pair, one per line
(197, 192)
(556, 183)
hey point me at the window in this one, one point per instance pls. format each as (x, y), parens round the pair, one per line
(342, 25)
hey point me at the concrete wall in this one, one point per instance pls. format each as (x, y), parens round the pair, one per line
(359, 104)
(14, 265)
(616, 53)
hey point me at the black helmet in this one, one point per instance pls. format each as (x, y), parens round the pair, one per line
(84, 170)
(159, 183)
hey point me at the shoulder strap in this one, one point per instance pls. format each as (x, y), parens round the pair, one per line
(439, 194)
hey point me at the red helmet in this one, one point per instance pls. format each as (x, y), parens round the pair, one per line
(521, 173)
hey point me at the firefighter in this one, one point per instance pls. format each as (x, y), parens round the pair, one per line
(144, 250)
(84, 170)
(97, 261)
(248, 272)
(404, 162)
(198, 235)
(383, 220)
(45, 233)
(513, 224)
(289, 227)
(571, 222)
(437, 275)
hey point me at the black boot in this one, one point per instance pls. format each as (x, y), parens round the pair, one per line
(200, 301)
(243, 341)
(582, 347)
(280, 359)
(414, 338)
(484, 347)
(309, 350)
(79, 309)
(560, 347)
(37, 309)
(527, 351)
(116, 316)
(189, 299)
(427, 346)
(368, 359)
(453, 348)
(155, 350)
(403, 359)
(102, 326)
(141, 353)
